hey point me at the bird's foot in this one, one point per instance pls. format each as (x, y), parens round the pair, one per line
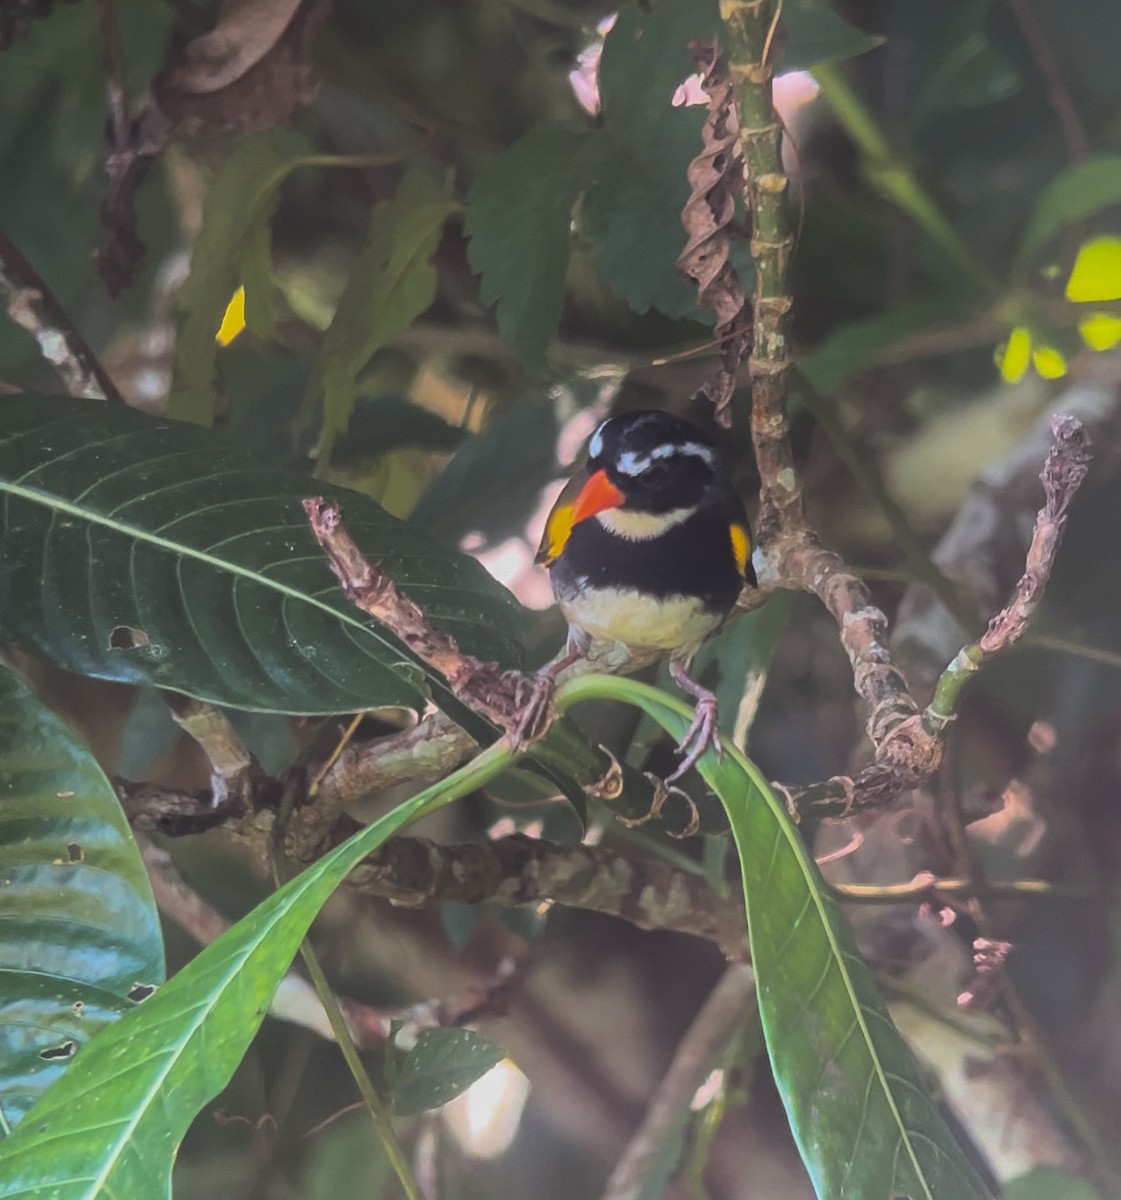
(535, 709)
(704, 732)
(662, 793)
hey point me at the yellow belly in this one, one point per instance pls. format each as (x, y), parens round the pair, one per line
(624, 615)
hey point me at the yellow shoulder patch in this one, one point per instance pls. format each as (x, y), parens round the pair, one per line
(741, 547)
(557, 529)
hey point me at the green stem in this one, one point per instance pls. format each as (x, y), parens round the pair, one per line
(480, 770)
(894, 177)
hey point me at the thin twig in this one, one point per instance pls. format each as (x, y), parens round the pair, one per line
(32, 305)
(724, 1012)
(1063, 473)
(494, 693)
(375, 1106)
(116, 75)
(1058, 94)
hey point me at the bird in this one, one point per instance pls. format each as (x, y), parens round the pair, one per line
(649, 546)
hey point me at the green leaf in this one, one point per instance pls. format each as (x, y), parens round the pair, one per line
(80, 929)
(968, 73)
(519, 215)
(858, 1107)
(392, 282)
(631, 170)
(632, 212)
(239, 201)
(817, 33)
(153, 552)
(442, 1064)
(256, 276)
(1073, 195)
(1048, 1183)
(111, 1126)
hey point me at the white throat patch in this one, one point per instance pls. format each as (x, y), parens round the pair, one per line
(639, 526)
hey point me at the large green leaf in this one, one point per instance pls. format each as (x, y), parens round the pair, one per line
(80, 931)
(154, 552)
(110, 1128)
(860, 1112)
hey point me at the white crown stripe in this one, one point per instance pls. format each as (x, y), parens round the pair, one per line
(632, 463)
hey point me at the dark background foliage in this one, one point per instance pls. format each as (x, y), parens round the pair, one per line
(450, 270)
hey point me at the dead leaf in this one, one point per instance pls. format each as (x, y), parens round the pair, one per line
(252, 71)
(715, 179)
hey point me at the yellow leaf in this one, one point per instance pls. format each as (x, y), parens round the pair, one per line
(1049, 362)
(1097, 271)
(233, 322)
(1100, 331)
(1013, 358)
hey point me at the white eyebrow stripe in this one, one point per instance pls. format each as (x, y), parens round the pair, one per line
(634, 464)
(595, 446)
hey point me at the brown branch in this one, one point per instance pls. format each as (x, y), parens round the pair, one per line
(517, 871)
(32, 305)
(1058, 94)
(513, 871)
(1067, 463)
(236, 775)
(908, 745)
(482, 686)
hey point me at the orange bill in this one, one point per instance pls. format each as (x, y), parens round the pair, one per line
(597, 493)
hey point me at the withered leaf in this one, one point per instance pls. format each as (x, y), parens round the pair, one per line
(715, 178)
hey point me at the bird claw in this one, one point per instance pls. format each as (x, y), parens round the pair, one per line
(662, 793)
(536, 710)
(703, 734)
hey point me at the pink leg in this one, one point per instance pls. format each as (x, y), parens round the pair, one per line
(703, 733)
(533, 719)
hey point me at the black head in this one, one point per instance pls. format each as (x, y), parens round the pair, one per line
(659, 462)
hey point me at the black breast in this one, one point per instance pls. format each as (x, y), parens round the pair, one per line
(691, 559)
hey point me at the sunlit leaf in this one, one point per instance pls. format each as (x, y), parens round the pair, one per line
(1100, 331)
(1048, 362)
(80, 933)
(1014, 357)
(233, 320)
(1096, 274)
